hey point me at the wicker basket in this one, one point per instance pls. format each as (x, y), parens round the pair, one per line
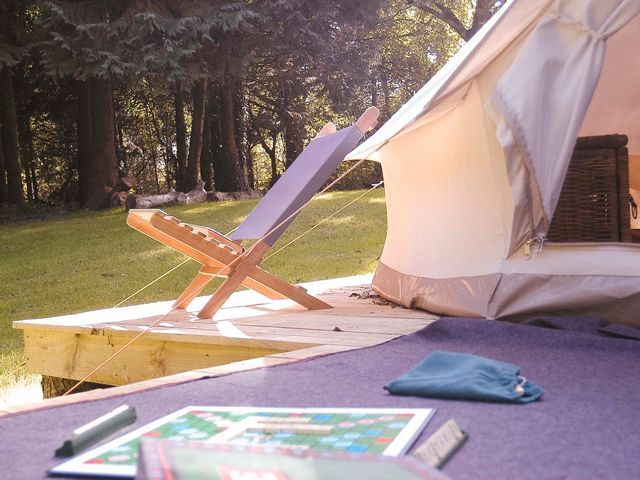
(594, 202)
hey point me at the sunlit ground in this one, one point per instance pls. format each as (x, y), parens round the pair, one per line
(21, 391)
(72, 263)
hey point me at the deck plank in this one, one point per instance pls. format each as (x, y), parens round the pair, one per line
(250, 332)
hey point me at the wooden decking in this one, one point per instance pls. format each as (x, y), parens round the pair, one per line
(250, 332)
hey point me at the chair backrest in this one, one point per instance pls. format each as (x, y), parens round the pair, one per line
(306, 175)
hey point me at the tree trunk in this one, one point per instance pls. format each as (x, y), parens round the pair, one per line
(181, 139)
(226, 196)
(228, 170)
(26, 155)
(119, 194)
(121, 153)
(481, 15)
(197, 195)
(156, 177)
(293, 141)
(199, 95)
(56, 386)
(484, 9)
(9, 123)
(3, 175)
(105, 175)
(293, 131)
(205, 157)
(25, 136)
(152, 201)
(34, 178)
(86, 161)
(242, 125)
(225, 163)
(214, 112)
(374, 90)
(386, 113)
(271, 152)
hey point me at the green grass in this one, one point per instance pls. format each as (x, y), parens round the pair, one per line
(87, 260)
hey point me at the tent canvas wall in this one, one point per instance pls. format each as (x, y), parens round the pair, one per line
(475, 161)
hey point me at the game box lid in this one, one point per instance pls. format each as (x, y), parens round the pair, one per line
(164, 460)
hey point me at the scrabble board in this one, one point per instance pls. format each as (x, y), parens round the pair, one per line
(373, 431)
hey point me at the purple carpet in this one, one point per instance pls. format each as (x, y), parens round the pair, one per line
(586, 426)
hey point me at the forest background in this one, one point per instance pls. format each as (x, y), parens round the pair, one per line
(173, 91)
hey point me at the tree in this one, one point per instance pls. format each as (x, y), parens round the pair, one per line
(9, 17)
(104, 173)
(230, 172)
(15, 194)
(3, 175)
(181, 138)
(289, 68)
(453, 13)
(104, 42)
(192, 172)
(226, 90)
(81, 45)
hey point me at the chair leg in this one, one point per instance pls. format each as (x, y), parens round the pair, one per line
(192, 291)
(221, 295)
(235, 277)
(286, 290)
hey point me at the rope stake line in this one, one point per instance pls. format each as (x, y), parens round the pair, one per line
(225, 268)
(151, 283)
(323, 221)
(130, 342)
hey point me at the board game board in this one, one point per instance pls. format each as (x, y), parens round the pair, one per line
(375, 431)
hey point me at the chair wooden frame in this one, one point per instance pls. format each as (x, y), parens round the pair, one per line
(221, 256)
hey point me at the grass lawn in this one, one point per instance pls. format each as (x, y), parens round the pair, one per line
(88, 260)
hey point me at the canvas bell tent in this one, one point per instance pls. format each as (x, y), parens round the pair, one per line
(474, 165)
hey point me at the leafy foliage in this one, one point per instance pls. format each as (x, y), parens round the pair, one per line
(287, 66)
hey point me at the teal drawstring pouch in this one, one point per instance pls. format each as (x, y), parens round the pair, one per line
(460, 376)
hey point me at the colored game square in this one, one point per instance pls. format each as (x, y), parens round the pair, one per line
(294, 440)
(342, 444)
(383, 440)
(366, 421)
(387, 418)
(337, 418)
(396, 425)
(376, 448)
(374, 432)
(330, 440)
(346, 424)
(357, 448)
(322, 447)
(366, 441)
(322, 418)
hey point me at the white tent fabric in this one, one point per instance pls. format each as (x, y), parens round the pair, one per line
(475, 161)
(534, 93)
(615, 92)
(493, 37)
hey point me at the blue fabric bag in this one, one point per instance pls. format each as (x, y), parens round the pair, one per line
(461, 376)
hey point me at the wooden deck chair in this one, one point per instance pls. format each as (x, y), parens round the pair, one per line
(222, 256)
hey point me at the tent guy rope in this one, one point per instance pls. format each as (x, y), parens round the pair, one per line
(222, 271)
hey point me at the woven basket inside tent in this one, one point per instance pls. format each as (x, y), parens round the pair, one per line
(594, 202)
